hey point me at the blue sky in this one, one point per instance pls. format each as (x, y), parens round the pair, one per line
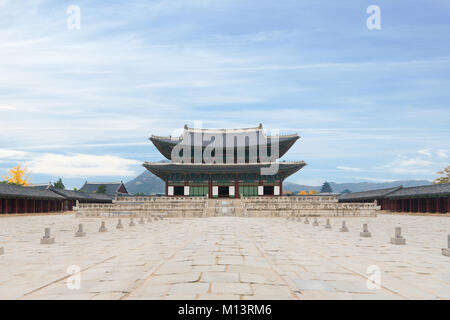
(369, 105)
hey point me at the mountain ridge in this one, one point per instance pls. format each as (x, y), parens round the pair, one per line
(147, 183)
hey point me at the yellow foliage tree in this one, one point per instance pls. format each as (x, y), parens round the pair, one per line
(18, 176)
(445, 178)
(302, 193)
(312, 192)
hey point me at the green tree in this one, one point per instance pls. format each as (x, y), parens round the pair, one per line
(326, 188)
(101, 189)
(445, 178)
(59, 184)
(347, 191)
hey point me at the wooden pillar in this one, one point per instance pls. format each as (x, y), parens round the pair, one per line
(448, 205)
(1, 205)
(438, 209)
(25, 205)
(210, 188)
(236, 187)
(281, 187)
(16, 205)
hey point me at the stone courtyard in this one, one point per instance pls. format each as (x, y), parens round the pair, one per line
(224, 258)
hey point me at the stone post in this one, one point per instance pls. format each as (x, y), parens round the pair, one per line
(2, 251)
(315, 223)
(80, 232)
(131, 224)
(119, 224)
(344, 227)
(365, 233)
(328, 225)
(103, 227)
(306, 220)
(446, 252)
(398, 238)
(141, 221)
(47, 239)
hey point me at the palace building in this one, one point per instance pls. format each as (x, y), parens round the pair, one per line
(224, 163)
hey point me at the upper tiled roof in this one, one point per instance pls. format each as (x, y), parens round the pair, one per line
(8, 190)
(367, 195)
(422, 191)
(231, 138)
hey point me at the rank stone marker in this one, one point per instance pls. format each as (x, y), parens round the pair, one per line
(446, 252)
(299, 219)
(365, 233)
(142, 221)
(306, 220)
(131, 224)
(149, 219)
(80, 232)
(2, 251)
(398, 239)
(103, 227)
(47, 239)
(119, 224)
(315, 223)
(344, 227)
(328, 225)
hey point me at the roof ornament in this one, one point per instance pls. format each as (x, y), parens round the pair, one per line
(185, 127)
(260, 126)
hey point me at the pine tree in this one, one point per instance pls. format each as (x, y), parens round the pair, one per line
(326, 188)
(59, 184)
(101, 189)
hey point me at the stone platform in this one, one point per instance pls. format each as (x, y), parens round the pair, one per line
(225, 258)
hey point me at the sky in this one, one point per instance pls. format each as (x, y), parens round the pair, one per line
(369, 105)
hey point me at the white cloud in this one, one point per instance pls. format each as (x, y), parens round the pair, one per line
(425, 152)
(349, 169)
(8, 154)
(82, 165)
(406, 165)
(442, 153)
(375, 179)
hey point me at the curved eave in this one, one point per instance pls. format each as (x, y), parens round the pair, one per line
(166, 144)
(161, 170)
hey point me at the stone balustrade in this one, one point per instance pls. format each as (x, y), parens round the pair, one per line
(245, 206)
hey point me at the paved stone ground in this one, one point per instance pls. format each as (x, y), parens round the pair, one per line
(224, 258)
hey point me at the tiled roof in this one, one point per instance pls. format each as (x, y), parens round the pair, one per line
(429, 190)
(99, 197)
(82, 196)
(9, 190)
(368, 195)
(111, 187)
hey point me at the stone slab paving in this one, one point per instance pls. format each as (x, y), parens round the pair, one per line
(224, 258)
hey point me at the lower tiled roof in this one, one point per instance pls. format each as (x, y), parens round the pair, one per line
(368, 195)
(422, 191)
(14, 191)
